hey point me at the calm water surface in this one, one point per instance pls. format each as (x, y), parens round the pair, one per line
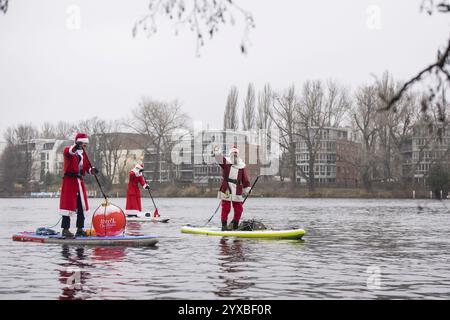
(353, 249)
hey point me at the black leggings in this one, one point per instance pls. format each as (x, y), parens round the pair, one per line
(65, 224)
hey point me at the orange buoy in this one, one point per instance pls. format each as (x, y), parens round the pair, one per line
(108, 220)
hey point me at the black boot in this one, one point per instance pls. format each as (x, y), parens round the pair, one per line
(235, 225)
(80, 233)
(66, 233)
(224, 226)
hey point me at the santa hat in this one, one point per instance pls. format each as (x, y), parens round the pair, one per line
(139, 166)
(234, 150)
(81, 137)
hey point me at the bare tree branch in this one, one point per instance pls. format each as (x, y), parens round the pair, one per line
(204, 18)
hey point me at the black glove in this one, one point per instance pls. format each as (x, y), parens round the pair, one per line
(147, 187)
(94, 170)
(77, 146)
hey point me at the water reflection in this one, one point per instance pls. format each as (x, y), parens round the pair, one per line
(74, 272)
(232, 258)
(344, 238)
(134, 228)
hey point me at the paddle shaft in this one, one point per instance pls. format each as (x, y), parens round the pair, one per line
(96, 178)
(251, 189)
(214, 213)
(154, 204)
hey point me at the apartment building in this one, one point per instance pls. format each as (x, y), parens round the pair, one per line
(336, 157)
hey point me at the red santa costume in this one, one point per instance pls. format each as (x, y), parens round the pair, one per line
(76, 166)
(235, 182)
(133, 206)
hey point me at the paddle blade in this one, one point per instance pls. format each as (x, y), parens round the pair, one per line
(156, 214)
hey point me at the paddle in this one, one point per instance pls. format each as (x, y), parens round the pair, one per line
(156, 213)
(101, 190)
(251, 189)
(95, 175)
(220, 202)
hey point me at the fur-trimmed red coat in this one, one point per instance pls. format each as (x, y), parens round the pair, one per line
(230, 191)
(133, 205)
(73, 182)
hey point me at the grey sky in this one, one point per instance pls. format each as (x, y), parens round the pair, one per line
(50, 72)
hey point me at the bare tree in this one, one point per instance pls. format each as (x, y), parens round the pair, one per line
(25, 132)
(432, 136)
(283, 116)
(47, 131)
(18, 156)
(338, 104)
(93, 128)
(230, 116)
(112, 148)
(437, 74)
(248, 113)
(393, 126)
(4, 5)
(364, 114)
(264, 123)
(64, 130)
(203, 17)
(156, 121)
(265, 100)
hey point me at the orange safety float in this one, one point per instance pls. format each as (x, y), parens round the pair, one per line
(108, 220)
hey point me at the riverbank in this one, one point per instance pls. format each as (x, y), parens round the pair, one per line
(264, 190)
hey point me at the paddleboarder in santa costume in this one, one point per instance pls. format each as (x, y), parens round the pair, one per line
(133, 207)
(234, 185)
(73, 191)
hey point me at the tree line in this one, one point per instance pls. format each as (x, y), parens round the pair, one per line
(297, 113)
(302, 113)
(152, 123)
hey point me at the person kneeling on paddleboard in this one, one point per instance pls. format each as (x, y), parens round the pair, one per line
(73, 191)
(133, 207)
(234, 185)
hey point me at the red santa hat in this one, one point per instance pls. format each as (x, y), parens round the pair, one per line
(234, 149)
(81, 137)
(139, 166)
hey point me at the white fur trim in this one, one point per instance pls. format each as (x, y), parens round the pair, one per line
(239, 165)
(83, 140)
(133, 213)
(233, 173)
(136, 172)
(233, 150)
(80, 190)
(67, 213)
(70, 149)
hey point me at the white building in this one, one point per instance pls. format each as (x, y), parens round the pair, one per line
(47, 155)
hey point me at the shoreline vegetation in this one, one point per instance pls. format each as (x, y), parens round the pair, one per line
(271, 190)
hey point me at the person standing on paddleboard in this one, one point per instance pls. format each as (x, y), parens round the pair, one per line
(73, 191)
(133, 207)
(235, 185)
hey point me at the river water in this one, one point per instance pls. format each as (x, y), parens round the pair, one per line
(353, 249)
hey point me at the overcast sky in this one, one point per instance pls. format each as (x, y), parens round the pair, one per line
(51, 72)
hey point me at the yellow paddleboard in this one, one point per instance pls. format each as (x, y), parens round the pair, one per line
(267, 234)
